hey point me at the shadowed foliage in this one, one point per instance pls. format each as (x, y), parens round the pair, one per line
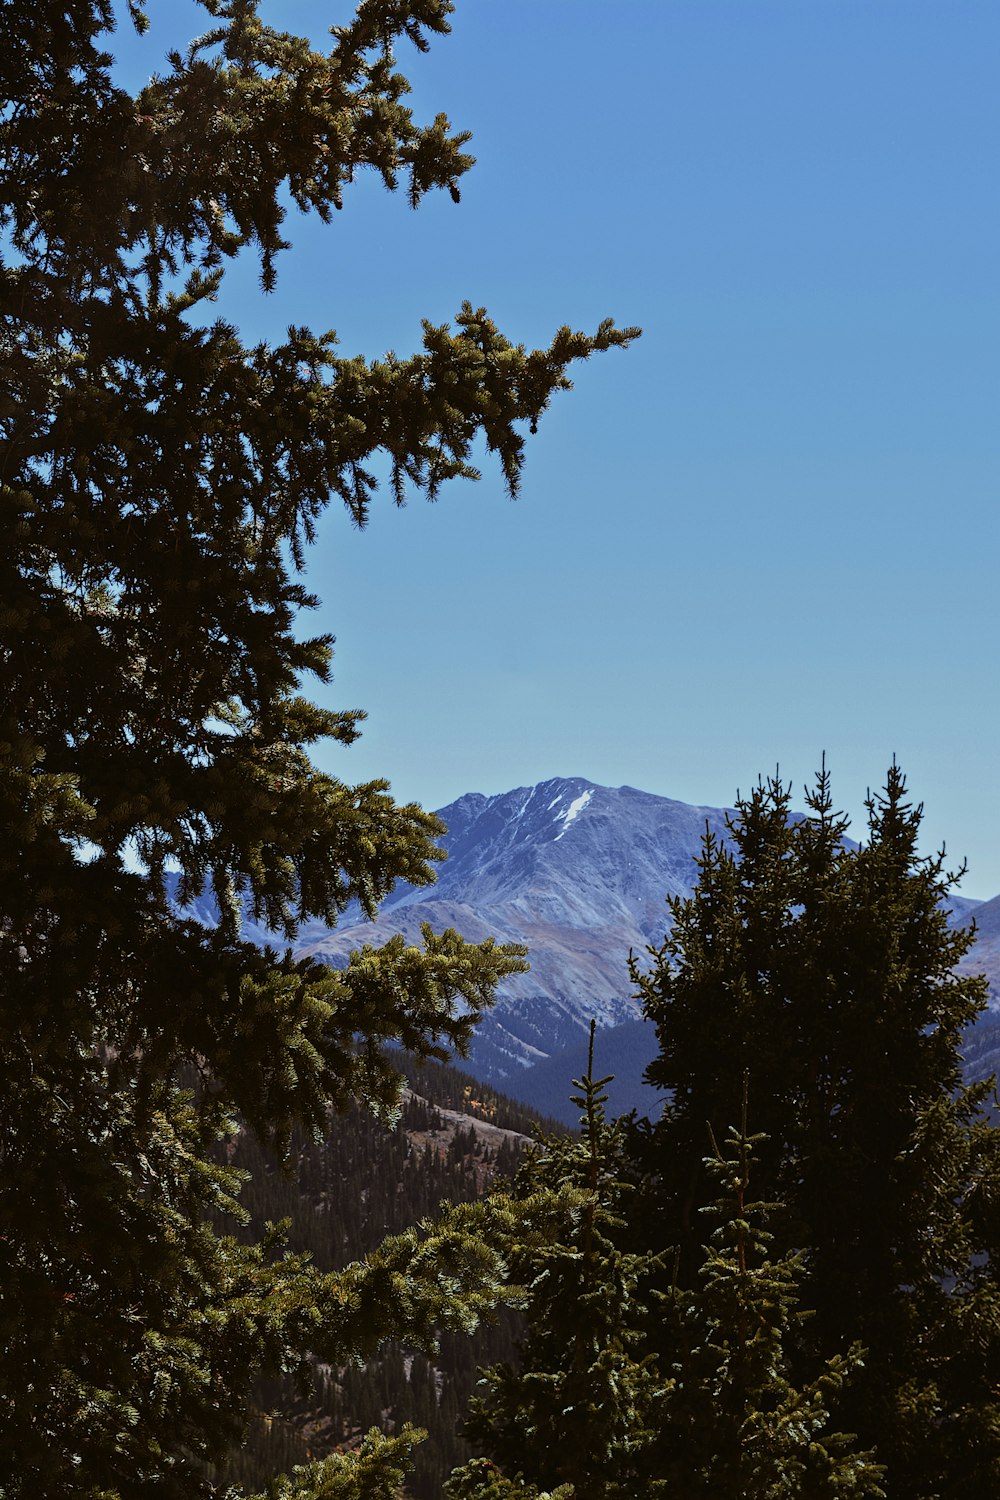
(160, 480)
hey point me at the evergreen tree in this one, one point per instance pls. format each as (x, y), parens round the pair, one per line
(709, 1409)
(373, 1472)
(575, 1417)
(825, 973)
(732, 1425)
(480, 1479)
(159, 482)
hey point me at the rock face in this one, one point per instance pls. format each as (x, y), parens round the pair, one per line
(579, 873)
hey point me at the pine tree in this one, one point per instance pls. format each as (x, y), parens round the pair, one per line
(159, 483)
(732, 1425)
(825, 973)
(374, 1471)
(575, 1418)
(704, 1405)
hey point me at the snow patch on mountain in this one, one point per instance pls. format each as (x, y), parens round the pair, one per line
(573, 811)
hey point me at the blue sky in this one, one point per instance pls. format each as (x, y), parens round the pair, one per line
(767, 530)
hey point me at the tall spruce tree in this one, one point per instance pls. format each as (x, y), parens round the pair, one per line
(574, 1418)
(625, 1390)
(732, 1425)
(160, 480)
(826, 973)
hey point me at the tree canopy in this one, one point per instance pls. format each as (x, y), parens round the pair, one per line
(575, 1417)
(632, 1383)
(823, 973)
(810, 1309)
(160, 481)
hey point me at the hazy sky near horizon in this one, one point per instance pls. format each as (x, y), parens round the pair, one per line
(768, 529)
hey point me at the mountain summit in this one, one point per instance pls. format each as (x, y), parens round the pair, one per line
(576, 871)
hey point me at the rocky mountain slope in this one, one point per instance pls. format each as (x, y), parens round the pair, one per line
(579, 873)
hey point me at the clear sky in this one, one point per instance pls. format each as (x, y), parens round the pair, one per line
(767, 530)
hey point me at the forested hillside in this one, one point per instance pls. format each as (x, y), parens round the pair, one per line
(340, 1197)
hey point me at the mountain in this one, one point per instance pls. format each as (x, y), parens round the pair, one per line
(579, 873)
(984, 958)
(624, 1052)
